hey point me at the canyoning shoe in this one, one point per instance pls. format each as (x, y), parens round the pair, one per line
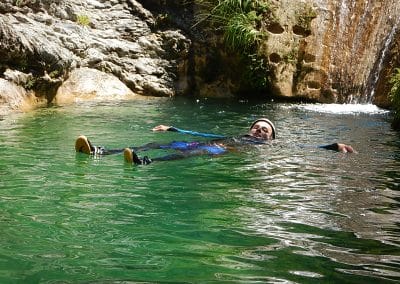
(82, 145)
(131, 157)
(128, 155)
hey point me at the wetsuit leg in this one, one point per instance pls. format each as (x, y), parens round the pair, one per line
(211, 150)
(148, 146)
(175, 145)
(100, 150)
(104, 151)
(180, 155)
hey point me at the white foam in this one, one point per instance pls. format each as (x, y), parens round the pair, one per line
(342, 108)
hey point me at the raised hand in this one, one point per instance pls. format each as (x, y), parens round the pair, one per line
(161, 128)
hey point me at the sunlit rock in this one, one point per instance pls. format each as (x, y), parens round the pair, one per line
(85, 84)
(50, 39)
(16, 98)
(320, 50)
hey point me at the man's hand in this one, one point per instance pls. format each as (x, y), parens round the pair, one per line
(345, 148)
(161, 128)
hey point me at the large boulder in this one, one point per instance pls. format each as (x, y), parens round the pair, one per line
(49, 39)
(85, 84)
(15, 98)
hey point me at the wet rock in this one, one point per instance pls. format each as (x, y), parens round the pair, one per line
(342, 40)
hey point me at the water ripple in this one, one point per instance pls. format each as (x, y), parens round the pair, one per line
(286, 212)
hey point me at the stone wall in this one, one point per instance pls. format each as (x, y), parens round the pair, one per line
(330, 51)
(318, 50)
(46, 40)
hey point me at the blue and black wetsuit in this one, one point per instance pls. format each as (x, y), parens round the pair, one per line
(219, 144)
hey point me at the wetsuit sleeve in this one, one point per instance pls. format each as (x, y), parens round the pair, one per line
(194, 133)
(334, 147)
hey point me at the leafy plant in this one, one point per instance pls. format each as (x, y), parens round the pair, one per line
(240, 33)
(305, 17)
(394, 94)
(256, 73)
(240, 22)
(83, 20)
(21, 3)
(291, 57)
(54, 74)
(30, 83)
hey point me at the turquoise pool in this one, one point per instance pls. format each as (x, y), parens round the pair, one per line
(286, 212)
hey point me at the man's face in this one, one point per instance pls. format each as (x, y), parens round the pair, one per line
(261, 130)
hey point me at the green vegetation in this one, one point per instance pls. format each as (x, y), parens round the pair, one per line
(291, 57)
(240, 22)
(30, 83)
(83, 20)
(394, 96)
(21, 3)
(54, 74)
(305, 17)
(256, 73)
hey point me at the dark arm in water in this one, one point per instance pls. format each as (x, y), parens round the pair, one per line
(190, 132)
(339, 147)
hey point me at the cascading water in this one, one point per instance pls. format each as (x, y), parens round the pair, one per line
(370, 92)
(357, 37)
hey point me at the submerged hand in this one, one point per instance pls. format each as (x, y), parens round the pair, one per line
(161, 128)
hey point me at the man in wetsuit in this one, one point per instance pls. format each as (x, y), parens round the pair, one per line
(261, 131)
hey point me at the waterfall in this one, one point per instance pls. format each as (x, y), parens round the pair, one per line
(370, 91)
(356, 41)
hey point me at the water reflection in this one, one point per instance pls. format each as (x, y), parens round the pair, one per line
(309, 198)
(283, 212)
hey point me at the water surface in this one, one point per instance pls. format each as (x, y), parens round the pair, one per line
(286, 212)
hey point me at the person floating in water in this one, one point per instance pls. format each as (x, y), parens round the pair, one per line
(261, 132)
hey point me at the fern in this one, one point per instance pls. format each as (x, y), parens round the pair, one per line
(240, 34)
(240, 21)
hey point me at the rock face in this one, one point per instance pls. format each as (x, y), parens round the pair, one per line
(47, 39)
(342, 57)
(90, 84)
(389, 62)
(14, 97)
(325, 50)
(319, 50)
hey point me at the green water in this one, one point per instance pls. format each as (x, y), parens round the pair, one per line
(280, 213)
